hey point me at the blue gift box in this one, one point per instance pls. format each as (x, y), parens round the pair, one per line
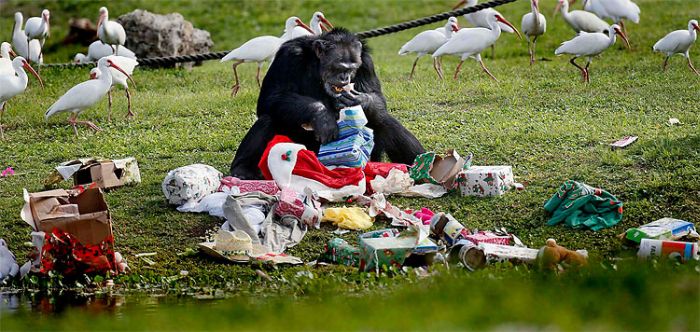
(354, 144)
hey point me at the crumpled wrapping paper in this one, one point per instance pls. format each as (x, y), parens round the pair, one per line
(187, 185)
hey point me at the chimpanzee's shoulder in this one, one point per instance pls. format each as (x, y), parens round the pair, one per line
(297, 47)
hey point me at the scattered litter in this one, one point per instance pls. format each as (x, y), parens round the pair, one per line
(339, 251)
(148, 260)
(682, 251)
(187, 185)
(484, 181)
(662, 229)
(146, 254)
(623, 142)
(555, 257)
(104, 173)
(353, 218)
(76, 226)
(341, 231)
(432, 168)
(7, 172)
(579, 205)
(674, 121)
(447, 229)
(378, 253)
(188, 252)
(304, 274)
(230, 184)
(238, 247)
(468, 254)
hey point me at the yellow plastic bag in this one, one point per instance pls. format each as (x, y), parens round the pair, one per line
(353, 218)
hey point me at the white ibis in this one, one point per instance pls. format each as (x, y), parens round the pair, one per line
(261, 49)
(590, 45)
(480, 19)
(428, 42)
(110, 32)
(8, 264)
(12, 85)
(5, 60)
(126, 64)
(617, 10)
(97, 50)
(471, 42)
(533, 25)
(679, 42)
(581, 20)
(37, 28)
(31, 50)
(85, 95)
(318, 25)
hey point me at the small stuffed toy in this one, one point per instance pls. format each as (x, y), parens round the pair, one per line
(553, 257)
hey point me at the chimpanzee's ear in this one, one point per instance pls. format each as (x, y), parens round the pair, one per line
(320, 46)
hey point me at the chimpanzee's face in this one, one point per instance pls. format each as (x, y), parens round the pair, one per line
(339, 63)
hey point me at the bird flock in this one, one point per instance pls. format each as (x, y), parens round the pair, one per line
(593, 34)
(115, 63)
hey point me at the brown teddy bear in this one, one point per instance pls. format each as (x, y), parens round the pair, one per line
(555, 257)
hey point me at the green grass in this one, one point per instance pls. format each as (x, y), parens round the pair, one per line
(540, 119)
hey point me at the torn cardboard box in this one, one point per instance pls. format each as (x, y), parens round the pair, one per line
(76, 224)
(432, 168)
(105, 173)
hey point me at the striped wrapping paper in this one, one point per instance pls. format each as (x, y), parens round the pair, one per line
(354, 144)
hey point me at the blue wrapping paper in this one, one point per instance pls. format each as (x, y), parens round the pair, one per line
(354, 144)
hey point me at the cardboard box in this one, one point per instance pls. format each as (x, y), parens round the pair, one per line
(85, 215)
(105, 173)
(379, 252)
(485, 181)
(431, 168)
(662, 229)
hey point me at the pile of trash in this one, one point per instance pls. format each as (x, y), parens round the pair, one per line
(71, 230)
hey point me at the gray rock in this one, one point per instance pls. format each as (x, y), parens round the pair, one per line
(152, 35)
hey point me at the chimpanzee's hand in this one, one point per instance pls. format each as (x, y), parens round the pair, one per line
(351, 98)
(325, 127)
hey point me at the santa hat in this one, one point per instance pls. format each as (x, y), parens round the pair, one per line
(294, 167)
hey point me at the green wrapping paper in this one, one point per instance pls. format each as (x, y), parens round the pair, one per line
(579, 205)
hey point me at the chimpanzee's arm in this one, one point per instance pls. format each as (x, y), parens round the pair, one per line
(295, 110)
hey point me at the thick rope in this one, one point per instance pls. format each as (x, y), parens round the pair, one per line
(169, 60)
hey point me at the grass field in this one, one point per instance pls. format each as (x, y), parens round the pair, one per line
(540, 119)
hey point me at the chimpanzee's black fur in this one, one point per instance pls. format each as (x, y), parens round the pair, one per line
(293, 95)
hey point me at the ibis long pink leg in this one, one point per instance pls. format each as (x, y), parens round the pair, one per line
(413, 69)
(109, 105)
(237, 85)
(73, 121)
(439, 65)
(690, 64)
(665, 63)
(588, 76)
(583, 71)
(128, 102)
(481, 62)
(459, 66)
(257, 74)
(436, 61)
(2, 113)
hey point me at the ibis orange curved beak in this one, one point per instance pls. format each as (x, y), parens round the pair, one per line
(301, 24)
(500, 18)
(31, 70)
(325, 24)
(100, 20)
(696, 27)
(12, 53)
(622, 35)
(113, 65)
(460, 4)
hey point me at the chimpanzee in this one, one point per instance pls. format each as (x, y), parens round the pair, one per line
(303, 91)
